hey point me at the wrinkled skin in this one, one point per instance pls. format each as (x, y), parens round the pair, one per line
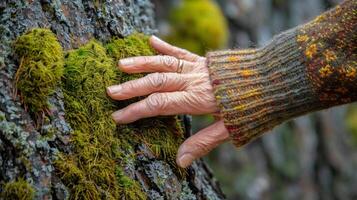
(171, 93)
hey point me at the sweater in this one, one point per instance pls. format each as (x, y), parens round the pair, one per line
(308, 68)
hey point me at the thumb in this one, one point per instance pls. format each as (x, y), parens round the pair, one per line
(201, 143)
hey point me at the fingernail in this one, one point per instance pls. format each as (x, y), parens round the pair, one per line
(126, 62)
(114, 89)
(117, 116)
(156, 38)
(185, 160)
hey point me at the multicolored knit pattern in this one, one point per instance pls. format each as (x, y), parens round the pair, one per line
(305, 69)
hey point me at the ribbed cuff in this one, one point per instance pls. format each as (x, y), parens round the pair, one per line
(258, 89)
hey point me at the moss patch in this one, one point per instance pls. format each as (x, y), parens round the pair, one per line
(198, 25)
(19, 189)
(100, 148)
(90, 171)
(351, 119)
(41, 68)
(162, 135)
(134, 45)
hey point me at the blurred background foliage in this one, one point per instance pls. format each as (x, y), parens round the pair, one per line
(207, 30)
(311, 157)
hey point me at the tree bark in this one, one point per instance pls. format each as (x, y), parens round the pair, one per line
(75, 23)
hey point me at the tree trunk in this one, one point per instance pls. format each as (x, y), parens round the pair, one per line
(27, 158)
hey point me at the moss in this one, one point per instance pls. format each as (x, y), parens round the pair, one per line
(19, 189)
(132, 188)
(91, 167)
(351, 119)
(41, 68)
(100, 148)
(133, 45)
(162, 135)
(198, 25)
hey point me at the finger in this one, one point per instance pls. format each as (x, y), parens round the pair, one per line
(154, 105)
(155, 82)
(154, 64)
(168, 49)
(201, 143)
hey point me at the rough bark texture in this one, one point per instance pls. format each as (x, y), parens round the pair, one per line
(75, 23)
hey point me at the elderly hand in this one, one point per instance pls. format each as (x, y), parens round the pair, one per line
(180, 84)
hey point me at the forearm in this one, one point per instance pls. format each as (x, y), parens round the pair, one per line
(308, 68)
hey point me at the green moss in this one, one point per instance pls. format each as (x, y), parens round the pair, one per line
(19, 189)
(198, 25)
(133, 45)
(93, 169)
(162, 135)
(41, 68)
(351, 124)
(132, 188)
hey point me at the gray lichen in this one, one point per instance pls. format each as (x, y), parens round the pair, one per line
(186, 192)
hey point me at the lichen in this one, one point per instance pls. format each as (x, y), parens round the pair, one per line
(40, 70)
(17, 137)
(198, 25)
(19, 189)
(186, 193)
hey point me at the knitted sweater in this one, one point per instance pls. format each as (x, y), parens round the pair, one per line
(305, 69)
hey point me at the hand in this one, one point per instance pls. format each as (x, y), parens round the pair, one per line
(180, 85)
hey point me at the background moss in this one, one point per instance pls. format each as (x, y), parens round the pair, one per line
(351, 123)
(198, 25)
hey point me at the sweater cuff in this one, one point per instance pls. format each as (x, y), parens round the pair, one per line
(258, 89)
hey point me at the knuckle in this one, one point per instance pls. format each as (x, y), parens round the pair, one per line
(145, 59)
(130, 85)
(168, 61)
(157, 80)
(182, 52)
(156, 102)
(196, 58)
(203, 147)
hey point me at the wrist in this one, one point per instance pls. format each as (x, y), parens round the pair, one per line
(258, 89)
